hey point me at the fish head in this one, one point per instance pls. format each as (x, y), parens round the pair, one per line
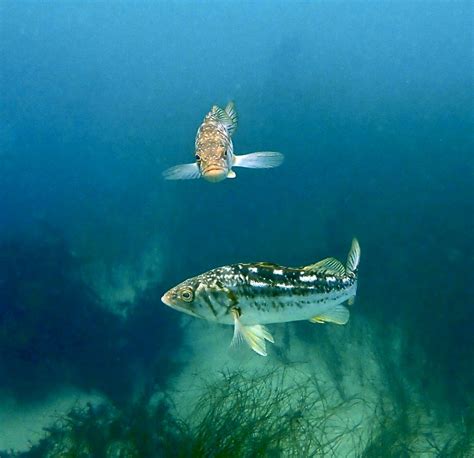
(182, 297)
(198, 298)
(213, 163)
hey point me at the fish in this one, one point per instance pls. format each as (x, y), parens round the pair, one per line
(214, 150)
(249, 296)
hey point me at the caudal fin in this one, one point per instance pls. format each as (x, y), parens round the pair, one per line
(353, 257)
(259, 160)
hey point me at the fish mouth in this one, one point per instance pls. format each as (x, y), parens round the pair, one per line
(167, 300)
(214, 174)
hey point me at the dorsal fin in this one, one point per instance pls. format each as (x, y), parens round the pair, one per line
(229, 120)
(328, 265)
(271, 265)
(232, 113)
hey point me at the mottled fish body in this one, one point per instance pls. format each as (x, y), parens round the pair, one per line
(214, 150)
(251, 295)
(268, 293)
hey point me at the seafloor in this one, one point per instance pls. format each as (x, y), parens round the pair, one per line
(324, 390)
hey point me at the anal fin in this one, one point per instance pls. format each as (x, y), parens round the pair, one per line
(337, 315)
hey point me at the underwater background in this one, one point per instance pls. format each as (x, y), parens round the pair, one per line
(372, 105)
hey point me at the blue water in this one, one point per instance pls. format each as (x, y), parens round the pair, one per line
(371, 104)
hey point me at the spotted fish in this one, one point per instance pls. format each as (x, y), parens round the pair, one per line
(251, 295)
(214, 151)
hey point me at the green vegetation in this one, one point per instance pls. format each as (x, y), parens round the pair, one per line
(266, 415)
(282, 412)
(107, 431)
(238, 415)
(242, 415)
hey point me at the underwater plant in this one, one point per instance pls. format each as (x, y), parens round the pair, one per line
(238, 415)
(107, 431)
(273, 413)
(266, 415)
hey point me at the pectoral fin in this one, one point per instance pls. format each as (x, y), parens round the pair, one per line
(260, 160)
(337, 314)
(231, 174)
(255, 335)
(182, 172)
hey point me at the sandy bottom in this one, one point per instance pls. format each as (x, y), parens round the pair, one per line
(22, 423)
(345, 362)
(360, 383)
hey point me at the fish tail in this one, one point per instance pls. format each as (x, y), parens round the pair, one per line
(353, 258)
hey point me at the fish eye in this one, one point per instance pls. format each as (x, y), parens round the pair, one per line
(198, 158)
(187, 295)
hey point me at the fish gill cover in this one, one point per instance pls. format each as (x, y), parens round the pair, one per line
(371, 105)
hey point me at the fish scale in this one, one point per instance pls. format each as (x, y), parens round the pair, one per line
(214, 150)
(268, 297)
(251, 295)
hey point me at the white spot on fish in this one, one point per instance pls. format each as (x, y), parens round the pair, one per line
(258, 284)
(278, 272)
(308, 278)
(284, 285)
(253, 269)
(331, 278)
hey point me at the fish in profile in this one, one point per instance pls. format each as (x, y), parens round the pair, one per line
(214, 151)
(248, 296)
